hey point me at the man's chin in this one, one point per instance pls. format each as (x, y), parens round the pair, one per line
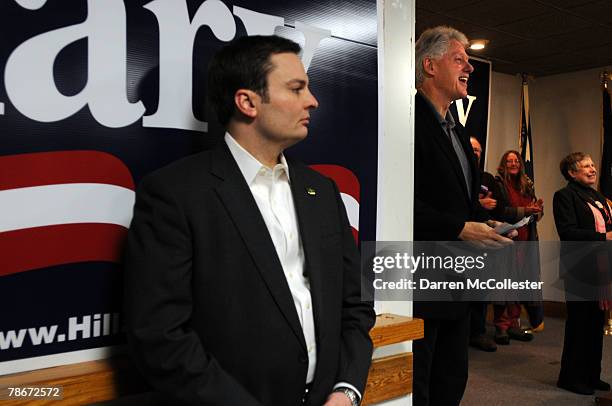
(462, 95)
(295, 138)
(301, 134)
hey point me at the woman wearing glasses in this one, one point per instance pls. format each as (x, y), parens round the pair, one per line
(582, 214)
(516, 199)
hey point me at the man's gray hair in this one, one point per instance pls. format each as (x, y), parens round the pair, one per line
(433, 43)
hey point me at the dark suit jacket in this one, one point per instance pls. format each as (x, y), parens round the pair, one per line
(210, 318)
(442, 201)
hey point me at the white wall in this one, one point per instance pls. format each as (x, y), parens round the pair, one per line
(565, 117)
(395, 143)
(504, 118)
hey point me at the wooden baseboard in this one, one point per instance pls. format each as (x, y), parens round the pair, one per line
(114, 378)
(392, 329)
(83, 383)
(390, 377)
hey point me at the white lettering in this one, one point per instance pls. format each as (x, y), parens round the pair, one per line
(96, 325)
(31, 87)
(463, 115)
(313, 36)
(11, 339)
(38, 335)
(31, 4)
(258, 23)
(29, 71)
(415, 263)
(176, 37)
(106, 324)
(74, 327)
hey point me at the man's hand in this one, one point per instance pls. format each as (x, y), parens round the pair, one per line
(494, 224)
(482, 235)
(338, 399)
(487, 202)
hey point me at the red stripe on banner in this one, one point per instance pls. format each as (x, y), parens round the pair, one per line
(345, 179)
(49, 168)
(41, 247)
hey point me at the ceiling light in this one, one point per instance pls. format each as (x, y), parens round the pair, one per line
(478, 44)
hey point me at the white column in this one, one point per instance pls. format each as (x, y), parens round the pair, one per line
(396, 22)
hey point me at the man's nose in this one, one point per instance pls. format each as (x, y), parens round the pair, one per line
(313, 103)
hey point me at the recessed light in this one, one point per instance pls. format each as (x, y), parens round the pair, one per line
(478, 44)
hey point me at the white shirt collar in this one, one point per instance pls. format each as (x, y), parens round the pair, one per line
(248, 164)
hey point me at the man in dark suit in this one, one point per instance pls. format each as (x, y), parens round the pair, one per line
(478, 310)
(445, 208)
(242, 275)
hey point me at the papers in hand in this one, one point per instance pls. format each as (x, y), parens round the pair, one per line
(505, 228)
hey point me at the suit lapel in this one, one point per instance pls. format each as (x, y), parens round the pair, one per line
(240, 204)
(308, 221)
(447, 146)
(472, 161)
(443, 141)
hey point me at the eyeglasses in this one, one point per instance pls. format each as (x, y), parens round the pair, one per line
(513, 161)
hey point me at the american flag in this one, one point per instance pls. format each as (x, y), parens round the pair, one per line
(525, 144)
(605, 180)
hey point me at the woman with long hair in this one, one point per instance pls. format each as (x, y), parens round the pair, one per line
(516, 199)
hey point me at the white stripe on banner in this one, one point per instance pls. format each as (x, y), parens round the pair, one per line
(352, 209)
(69, 203)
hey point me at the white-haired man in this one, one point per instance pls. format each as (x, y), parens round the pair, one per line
(445, 208)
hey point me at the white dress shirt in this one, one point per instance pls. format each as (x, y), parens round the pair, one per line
(272, 193)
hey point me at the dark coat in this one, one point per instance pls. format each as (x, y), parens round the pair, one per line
(583, 266)
(442, 202)
(210, 317)
(573, 217)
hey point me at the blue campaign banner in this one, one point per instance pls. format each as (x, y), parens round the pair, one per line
(95, 95)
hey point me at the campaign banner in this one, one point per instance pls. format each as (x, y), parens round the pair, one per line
(473, 111)
(94, 95)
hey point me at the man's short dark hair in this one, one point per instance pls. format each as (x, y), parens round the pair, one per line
(243, 64)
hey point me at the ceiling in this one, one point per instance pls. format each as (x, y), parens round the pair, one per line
(537, 37)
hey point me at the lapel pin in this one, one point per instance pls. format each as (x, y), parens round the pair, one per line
(311, 191)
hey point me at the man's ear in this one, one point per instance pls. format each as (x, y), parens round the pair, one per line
(246, 102)
(428, 66)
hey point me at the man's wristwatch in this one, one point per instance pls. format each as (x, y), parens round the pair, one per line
(351, 394)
